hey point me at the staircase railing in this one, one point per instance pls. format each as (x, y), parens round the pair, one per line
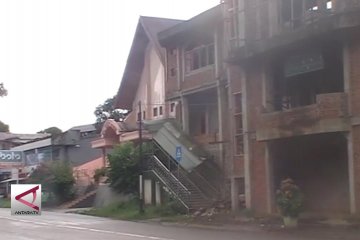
(210, 190)
(172, 183)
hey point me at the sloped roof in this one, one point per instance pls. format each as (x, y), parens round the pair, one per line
(15, 137)
(84, 128)
(146, 32)
(197, 25)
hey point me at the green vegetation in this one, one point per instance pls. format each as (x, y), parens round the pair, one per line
(56, 178)
(4, 127)
(107, 111)
(3, 91)
(289, 199)
(124, 167)
(54, 131)
(130, 211)
(5, 203)
(100, 172)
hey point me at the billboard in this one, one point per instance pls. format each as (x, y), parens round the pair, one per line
(11, 157)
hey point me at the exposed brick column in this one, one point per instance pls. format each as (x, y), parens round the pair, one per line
(185, 114)
(352, 86)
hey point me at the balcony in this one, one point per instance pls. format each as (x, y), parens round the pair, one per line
(103, 143)
(328, 114)
(290, 23)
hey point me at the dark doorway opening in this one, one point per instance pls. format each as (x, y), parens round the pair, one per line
(319, 165)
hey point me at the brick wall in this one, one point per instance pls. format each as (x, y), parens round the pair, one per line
(356, 152)
(198, 77)
(171, 83)
(355, 77)
(235, 78)
(257, 149)
(238, 169)
(355, 111)
(235, 81)
(328, 106)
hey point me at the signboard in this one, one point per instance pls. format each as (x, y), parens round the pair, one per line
(178, 154)
(305, 63)
(8, 156)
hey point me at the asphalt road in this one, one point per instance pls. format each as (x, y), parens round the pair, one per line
(63, 226)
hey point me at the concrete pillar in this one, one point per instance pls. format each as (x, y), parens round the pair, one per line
(185, 114)
(273, 19)
(269, 180)
(157, 193)
(350, 135)
(222, 117)
(148, 192)
(180, 69)
(247, 141)
(352, 189)
(234, 194)
(217, 52)
(103, 151)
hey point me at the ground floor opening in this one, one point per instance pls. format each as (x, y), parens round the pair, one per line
(319, 165)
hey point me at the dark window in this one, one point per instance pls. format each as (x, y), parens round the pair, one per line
(238, 102)
(155, 112)
(173, 51)
(144, 114)
(173, 72)
(239, 145)
(199, 57)
(172, 107)
(239, 124)
(211, 54)
(160, 110)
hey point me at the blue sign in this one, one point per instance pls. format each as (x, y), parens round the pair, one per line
(178, 155)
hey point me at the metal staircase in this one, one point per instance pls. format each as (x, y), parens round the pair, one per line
(191, 189)
(179, 185)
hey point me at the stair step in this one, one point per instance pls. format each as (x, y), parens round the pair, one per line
(78, 200)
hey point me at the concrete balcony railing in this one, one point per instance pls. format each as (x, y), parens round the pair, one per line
(328, 114)
(103, 143)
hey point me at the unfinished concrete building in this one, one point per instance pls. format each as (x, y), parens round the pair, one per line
(294, 83)
(196, 83)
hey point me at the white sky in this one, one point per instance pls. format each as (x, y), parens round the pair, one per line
(59, 59)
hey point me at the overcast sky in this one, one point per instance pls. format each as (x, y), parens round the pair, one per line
(59, 59)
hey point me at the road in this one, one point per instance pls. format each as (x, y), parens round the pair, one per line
(62, 226)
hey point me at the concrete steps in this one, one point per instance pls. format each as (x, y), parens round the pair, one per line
(74, 202)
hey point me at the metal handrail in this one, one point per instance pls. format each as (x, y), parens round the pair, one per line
(170, 174)
(184, 172)
(170, 189)
(176, 187)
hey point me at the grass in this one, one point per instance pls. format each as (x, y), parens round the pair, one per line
(130, 211)
(5, 203)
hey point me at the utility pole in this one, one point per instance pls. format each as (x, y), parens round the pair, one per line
(141, 181)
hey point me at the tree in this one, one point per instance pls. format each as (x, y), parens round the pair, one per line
(107, 111)
(4, 127)
(124, 166)
(55, 177)
(3, 91)
(52, 130)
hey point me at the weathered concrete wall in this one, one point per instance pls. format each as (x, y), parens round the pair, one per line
(105, 196)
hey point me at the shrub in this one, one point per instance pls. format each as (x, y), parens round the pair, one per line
(289, 199)
(124, 166)
(55, 178)
(101, 172)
